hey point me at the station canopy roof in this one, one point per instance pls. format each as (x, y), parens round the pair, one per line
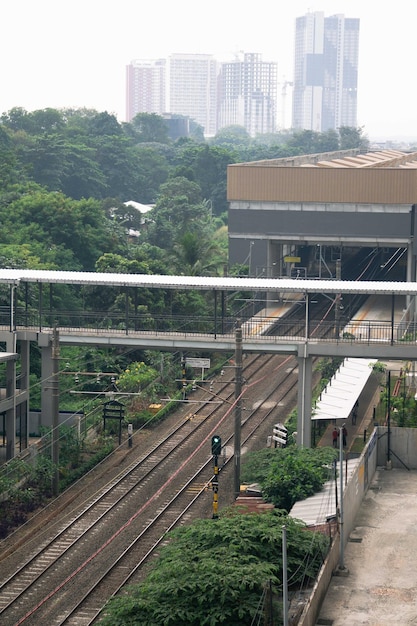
(339, 397)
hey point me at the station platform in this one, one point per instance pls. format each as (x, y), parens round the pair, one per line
(262, 321)
(353, 382)
(367, 400)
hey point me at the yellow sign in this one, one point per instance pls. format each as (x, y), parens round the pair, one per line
(292, 259)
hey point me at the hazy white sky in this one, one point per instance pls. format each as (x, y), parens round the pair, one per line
(74, 54)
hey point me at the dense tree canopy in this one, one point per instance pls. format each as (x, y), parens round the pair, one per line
(85, 153)
(224, 567)
(150, 127)
(66, 176)
(287, 475)
(62, 233)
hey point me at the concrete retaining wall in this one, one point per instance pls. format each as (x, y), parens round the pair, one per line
(403, 447)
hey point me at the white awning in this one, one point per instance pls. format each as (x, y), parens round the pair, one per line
(8, 356)
(338, 398)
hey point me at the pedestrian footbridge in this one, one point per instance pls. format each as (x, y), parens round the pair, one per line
(390, 335)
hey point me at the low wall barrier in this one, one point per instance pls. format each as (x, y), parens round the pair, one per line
(353, 494)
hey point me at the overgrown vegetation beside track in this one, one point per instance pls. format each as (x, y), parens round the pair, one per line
(27, 486)
(228, 571)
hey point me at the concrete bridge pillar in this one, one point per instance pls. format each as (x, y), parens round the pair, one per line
(46, 373)
(305, 394)
(11, 411)
(24, 383)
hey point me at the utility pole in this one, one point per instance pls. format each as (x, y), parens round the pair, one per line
(284, 577)
(337, 300)
(388, 383)
(55, 410)
(342, 570)
(238, 405)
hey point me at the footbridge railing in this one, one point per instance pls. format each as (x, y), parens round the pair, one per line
(268, 328)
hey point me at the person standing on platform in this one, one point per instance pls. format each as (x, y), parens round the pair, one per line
(344, 435)
(335, 435)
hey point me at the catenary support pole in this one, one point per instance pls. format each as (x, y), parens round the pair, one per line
(389, 419)
(238, 405)
(341, 513)
(55, 411)
(284, 577)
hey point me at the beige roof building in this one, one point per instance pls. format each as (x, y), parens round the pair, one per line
(326, 205)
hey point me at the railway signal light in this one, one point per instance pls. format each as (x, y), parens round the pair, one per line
(216, 445)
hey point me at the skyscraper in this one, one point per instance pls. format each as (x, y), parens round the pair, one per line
(325, 72)
(145, 87)
(193, 88)
(248, 93)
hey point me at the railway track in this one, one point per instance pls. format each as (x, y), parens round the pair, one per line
(67, 575)
(69, 572)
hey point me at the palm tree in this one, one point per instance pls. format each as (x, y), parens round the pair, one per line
(196, 254)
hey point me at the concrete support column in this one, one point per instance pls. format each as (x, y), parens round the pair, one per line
(11, 412)
(24, 388)
(46, 392)
(273, 264)
(411, 270)
(411, 264)
(11, 393)
(305, 369)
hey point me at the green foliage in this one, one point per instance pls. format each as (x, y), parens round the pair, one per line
(55, 230)
(25, 487)
(195, 255)
(150, 127)
(104, 447)
(353, 138)
(207, 166)
(71, 447)
(287, 475)
(379, 369)
(328, 366)
(223, 567)
(136, 377)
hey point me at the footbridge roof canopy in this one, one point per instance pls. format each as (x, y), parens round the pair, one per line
(212, 283)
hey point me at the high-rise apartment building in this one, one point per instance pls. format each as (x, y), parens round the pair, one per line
(248, 94)
(193, 88)
(145, 87)
(325, 72)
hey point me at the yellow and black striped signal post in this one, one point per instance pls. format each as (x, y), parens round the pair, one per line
(216, 448)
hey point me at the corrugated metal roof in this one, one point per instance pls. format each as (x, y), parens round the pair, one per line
(224, 283)
(385, 177)
(318, 508)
